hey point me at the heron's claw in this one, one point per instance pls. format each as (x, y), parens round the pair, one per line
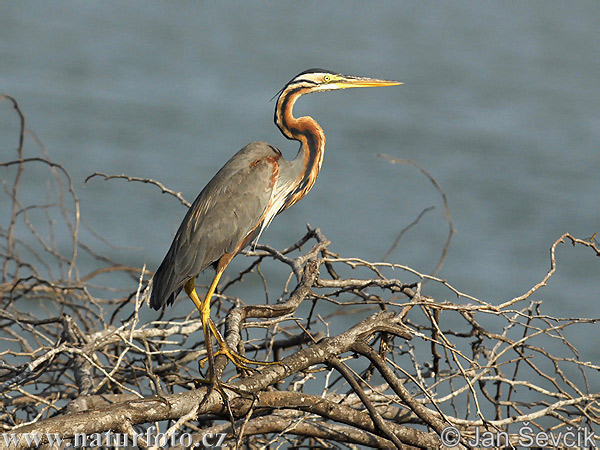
(238, 360)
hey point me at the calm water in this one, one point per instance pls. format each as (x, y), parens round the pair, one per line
(501, 103)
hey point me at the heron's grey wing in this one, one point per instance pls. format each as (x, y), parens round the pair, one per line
(222, 220)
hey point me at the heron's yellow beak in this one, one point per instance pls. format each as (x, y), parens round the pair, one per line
(345, 82)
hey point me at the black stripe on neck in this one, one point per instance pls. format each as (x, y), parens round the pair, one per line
(312, 144)
(284, 126)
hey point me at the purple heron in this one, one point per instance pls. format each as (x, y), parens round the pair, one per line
(242, 199)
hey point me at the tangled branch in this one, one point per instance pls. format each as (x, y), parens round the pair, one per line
(366, 356)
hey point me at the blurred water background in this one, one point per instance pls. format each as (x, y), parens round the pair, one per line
(501, 104)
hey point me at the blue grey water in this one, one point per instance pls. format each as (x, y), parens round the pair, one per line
(501, 104)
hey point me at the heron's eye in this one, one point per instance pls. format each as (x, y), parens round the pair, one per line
(326, 78)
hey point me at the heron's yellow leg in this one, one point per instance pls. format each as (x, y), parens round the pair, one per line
(209, 328)
(204, 308)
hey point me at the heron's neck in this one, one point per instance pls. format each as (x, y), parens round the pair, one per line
(305, 129)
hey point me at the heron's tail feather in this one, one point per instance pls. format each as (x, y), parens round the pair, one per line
(164, 288)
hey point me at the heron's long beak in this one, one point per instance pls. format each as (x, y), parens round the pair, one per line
(346, 82)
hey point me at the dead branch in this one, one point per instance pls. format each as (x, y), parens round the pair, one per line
(372, 360)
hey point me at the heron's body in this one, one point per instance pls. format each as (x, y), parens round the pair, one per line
(240, 201)
(225, 217)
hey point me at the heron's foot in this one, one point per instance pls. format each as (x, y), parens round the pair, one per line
(238, 360)
(210, 379)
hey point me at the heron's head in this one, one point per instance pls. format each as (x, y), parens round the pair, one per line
(320, 80)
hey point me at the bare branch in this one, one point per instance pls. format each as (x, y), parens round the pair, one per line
(365, 353)
(162, 187)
